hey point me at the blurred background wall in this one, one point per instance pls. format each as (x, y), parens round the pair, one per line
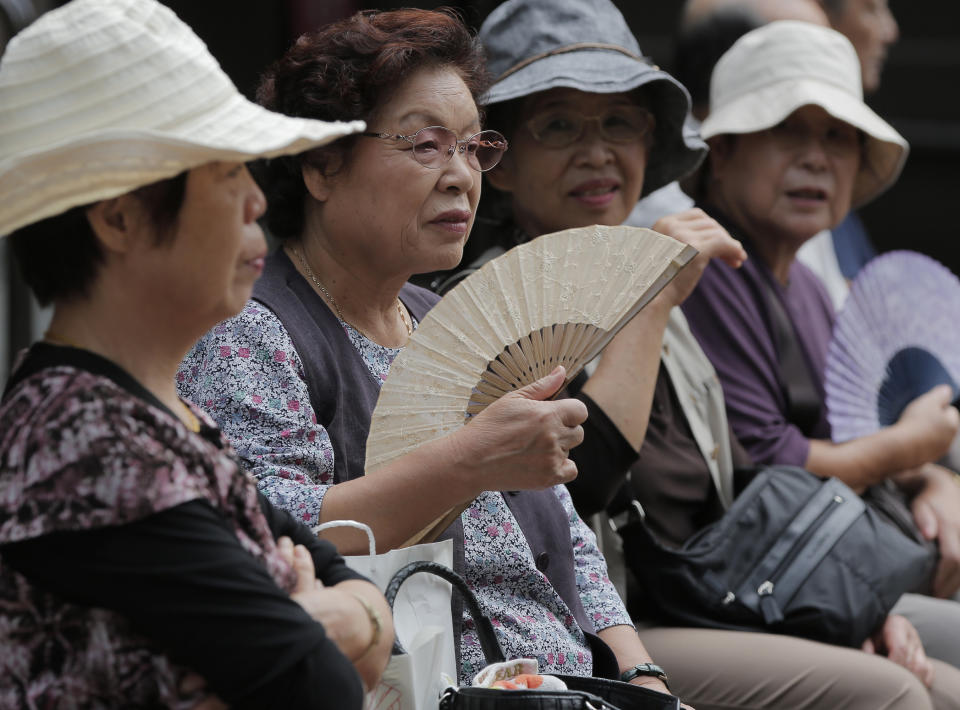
(918, 96)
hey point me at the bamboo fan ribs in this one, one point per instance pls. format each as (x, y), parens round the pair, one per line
(557, 300)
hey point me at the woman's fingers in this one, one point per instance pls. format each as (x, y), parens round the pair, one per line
(304, 569)
(285, 548)
(544, 388)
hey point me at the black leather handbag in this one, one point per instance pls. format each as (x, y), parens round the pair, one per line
(582, 693)
(795, 554)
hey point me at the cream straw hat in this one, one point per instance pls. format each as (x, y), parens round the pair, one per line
(772, 71)
(100, 97)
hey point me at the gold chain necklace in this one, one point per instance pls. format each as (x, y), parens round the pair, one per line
(192, 422)
(407, 323)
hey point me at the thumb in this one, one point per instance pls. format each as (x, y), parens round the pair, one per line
(545, 387)
(304, 569)
(868, 646)
(942, 394)
(925, 519)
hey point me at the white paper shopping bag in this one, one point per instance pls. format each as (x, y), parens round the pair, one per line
(423, 622)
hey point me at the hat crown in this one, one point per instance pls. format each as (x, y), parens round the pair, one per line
(59, 77)
(785, 51)
(519, 29)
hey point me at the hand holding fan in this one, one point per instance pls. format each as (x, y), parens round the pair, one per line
(895, 339)
(557, 300)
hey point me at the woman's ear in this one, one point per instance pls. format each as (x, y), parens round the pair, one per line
(721, 148)
(113, 221)
(317, 181)
(503, 175)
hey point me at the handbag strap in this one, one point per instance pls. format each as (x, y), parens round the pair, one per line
(485, 633)
(804, 402)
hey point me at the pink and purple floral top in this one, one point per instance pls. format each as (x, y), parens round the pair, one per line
(247, 374)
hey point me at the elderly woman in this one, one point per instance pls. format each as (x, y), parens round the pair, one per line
(793, 148)
(572, 162)
(294, 378)
(139, 567)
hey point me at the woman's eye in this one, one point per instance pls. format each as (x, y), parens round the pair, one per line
(614, 120)
(427, 147)
(559, 124)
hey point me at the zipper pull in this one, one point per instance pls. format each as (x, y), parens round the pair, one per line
(768, 605)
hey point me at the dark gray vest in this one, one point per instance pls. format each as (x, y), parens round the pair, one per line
(343, 395)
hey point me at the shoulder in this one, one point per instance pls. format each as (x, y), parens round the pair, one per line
(807, 284)
(253, 339)
(723, 292)
(77, 451)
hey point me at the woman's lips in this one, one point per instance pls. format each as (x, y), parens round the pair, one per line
(595, 193)
(808, 196)
(456, 221)
(256, 263)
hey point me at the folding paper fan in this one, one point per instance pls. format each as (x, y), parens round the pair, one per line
(896, 338)
(557, 300)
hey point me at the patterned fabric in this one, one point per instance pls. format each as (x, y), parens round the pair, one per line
(528, 615)
(78, 452)
(291, 456)
(247, 373)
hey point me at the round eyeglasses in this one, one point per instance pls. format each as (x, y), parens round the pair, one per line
(433, 146)
(559, 128)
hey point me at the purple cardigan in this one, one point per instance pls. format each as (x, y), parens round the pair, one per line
(728, 314)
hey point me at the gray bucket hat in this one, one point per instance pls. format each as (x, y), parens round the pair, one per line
(536, 45)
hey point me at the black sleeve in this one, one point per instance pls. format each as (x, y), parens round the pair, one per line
(603, 460)
(331, 569)
(183, 580)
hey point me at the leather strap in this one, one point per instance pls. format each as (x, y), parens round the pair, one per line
(804, 402)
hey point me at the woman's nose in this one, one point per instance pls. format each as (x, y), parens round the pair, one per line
(256, 204)
(458, 175)
(593, 148)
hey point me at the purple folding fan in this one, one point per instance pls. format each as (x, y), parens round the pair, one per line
(897, 336)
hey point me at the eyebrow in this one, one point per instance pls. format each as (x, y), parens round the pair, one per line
(429, 119)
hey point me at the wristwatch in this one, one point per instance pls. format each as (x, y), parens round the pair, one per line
(650, 669)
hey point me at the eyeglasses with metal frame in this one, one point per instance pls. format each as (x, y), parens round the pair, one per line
(433, 146)
(559, 128)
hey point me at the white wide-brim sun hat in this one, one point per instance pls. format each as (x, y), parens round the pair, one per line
(100, 97)
(772, 71)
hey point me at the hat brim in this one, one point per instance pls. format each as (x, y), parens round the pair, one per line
(103, 164)
(885, 150)
(675, 152)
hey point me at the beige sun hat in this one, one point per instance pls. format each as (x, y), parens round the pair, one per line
(100, 97)
(772, 71)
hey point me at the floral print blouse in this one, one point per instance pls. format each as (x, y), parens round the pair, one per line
(248, 376)
(80, 453)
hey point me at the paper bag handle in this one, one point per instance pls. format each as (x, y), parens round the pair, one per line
(349, 524)
(485, 633)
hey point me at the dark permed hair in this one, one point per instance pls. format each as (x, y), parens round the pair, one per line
(347, 71)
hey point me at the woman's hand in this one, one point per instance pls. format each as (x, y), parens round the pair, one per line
(899, 642)
(343, 616)
(929, 425)
(193, 682)
(521, 442)
(698, 229)
(936, 510)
